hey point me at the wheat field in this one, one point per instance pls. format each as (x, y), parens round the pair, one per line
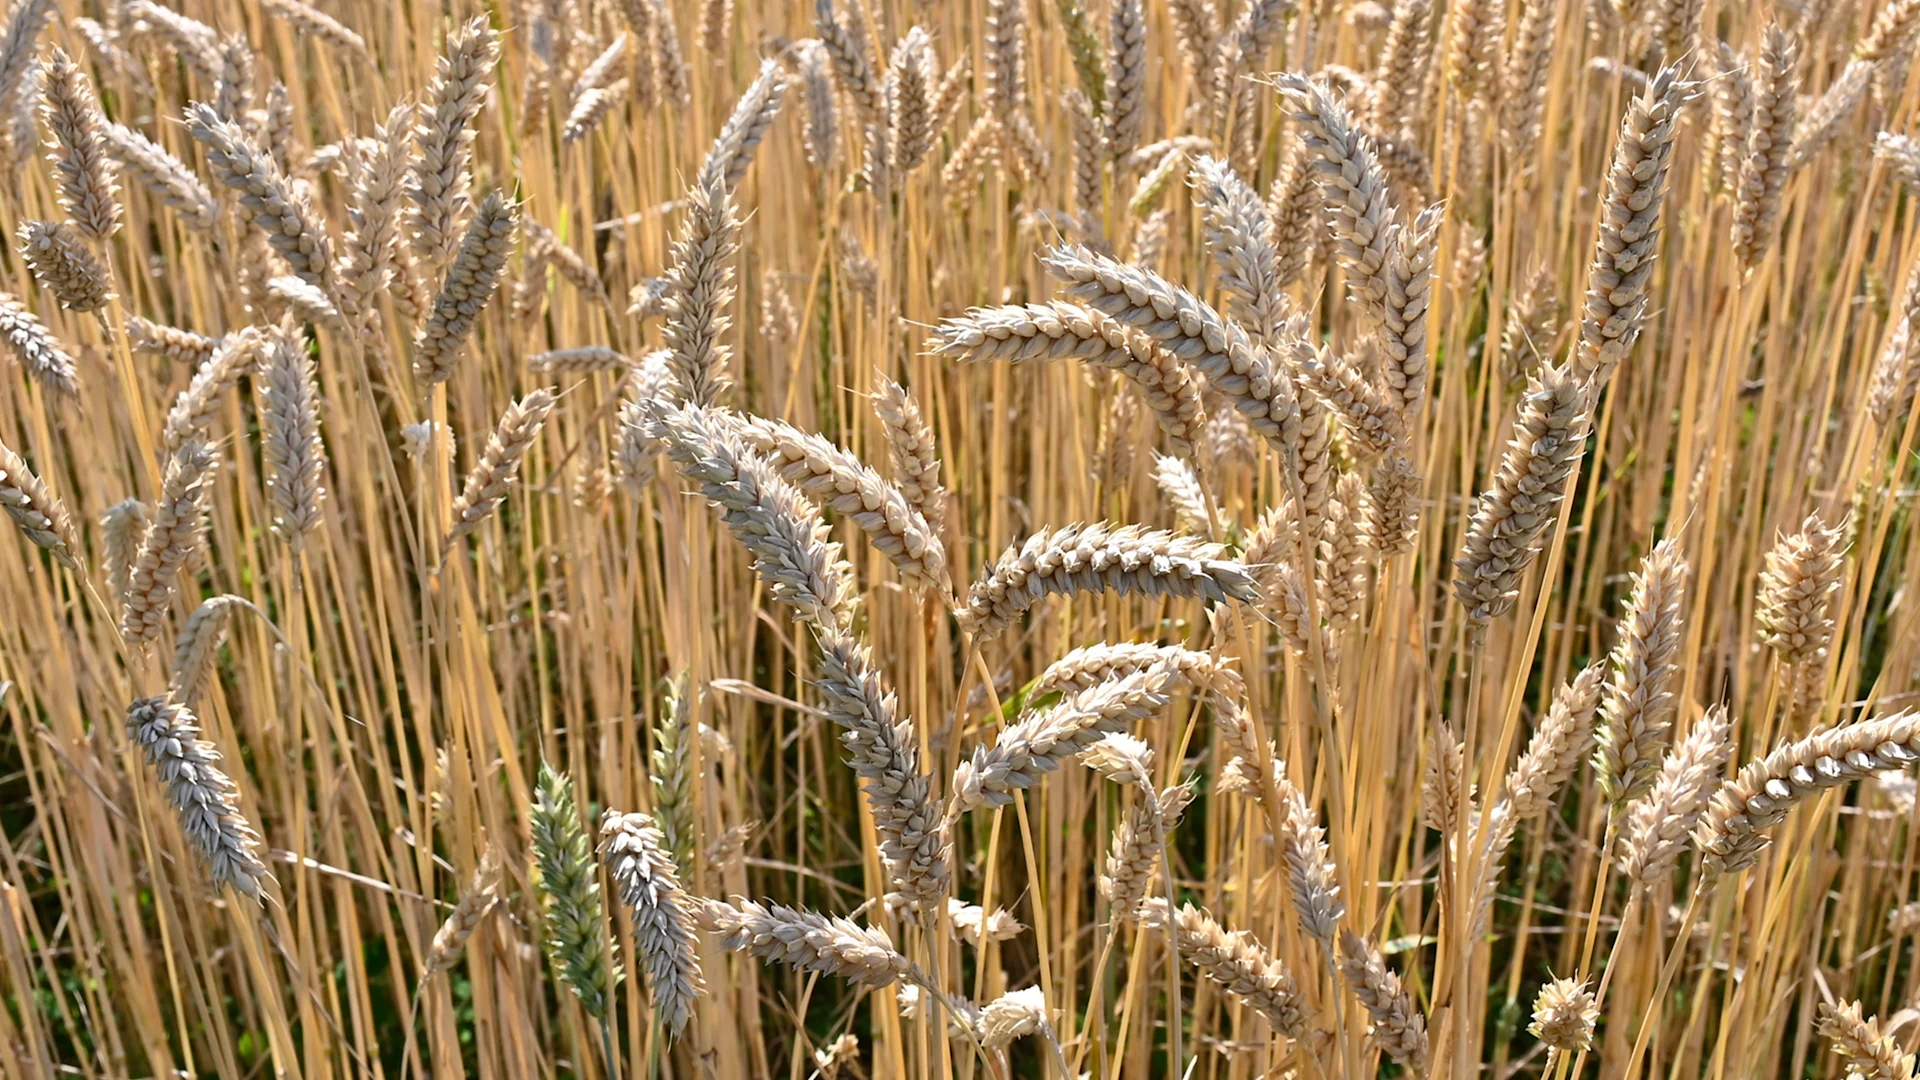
(880, 538)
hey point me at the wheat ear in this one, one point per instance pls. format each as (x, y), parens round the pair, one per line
(81, 165)
(1039, 742)
(1636, 712)
(34, 346)
(1398, 1028)
(1868, 1052)
(663, 925)
(444, 132)
(1236, 961)
(499, 465)
(178, 530)
(196, 646)
(41, 518)
(63, 265)
(200, 792)
(806, 940)
(481, 896)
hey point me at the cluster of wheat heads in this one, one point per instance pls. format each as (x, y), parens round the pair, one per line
(1126, 538)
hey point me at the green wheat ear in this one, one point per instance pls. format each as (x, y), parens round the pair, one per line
(577, 944)
(673, 772)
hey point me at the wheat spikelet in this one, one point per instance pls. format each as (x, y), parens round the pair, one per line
(850, 487)
(1039, 742)
(267, 197)
(166, 176)
(443, 135)
(470, 283)
(481, 896)
(236, 355)
(315, 23)
(699, 292)
(806, 940)
(883, 752)
(1063, 330)
(177, 532)
(1622, 267)
(487, 483)
(1564, 1014)
(734, 147)
(1513, 515)
(663, 925)
(1636, 711)
(1858, 1041)
(1236, 961)
(34, 347)
(1657, 826)
(63, 265)
(1559, 743)
(1120, 559)
(1731, 833)
(1190, 330)
(768, 515)
(84, 172)
(1398, 1029)
(290, 436)
(1763, 168)
(199, 791)
(41, 518)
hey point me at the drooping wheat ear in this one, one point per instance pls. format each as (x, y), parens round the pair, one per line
(33, 345)
(1125, 109)
(1370, 416)
(1235, 960)
(569, 883)
(1059, 330)
(851, 50)
(1636, 712)
(909, 100)
(1523, 78)
(1564, 1014)
(912, 452)
(672, 772)
(470, 283)
(1731, 834)
(1185, 326)
(81, 166)
(196, 43)
(1513, 515)
(734, 147)
(122, 526)
(1559, 743)
(851, 488)
(267, 197)
(1358, 205)
(312, 22)
(1802, 576)
(1859, 1041)
(805, 940)
(177, 532)
(663, 921)
(170, 342)
(1532, 327)
(1089, 166)
(776, 523)
(1658, 825)
(167, 177)
(1892, 28)
(1086, 667)
(1900, 154)
(499, 466)
(196, 646)
(63, 265)
(699, 293)
(883, 750)
(1121, 559)
(1398, 1028)
(1240, 237)
(236, 355)
(42, 519)
(1039, 742)
(1395, 492)
(1408, 277)
(289, 294)
(1623, 254)
(290, 435)
(590, 109)
(572, 266)
(477, 901)
(821, 133)
(1763, 167)
(199, 791)
(443, 135)
(1134, 855)
(1311, 877)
